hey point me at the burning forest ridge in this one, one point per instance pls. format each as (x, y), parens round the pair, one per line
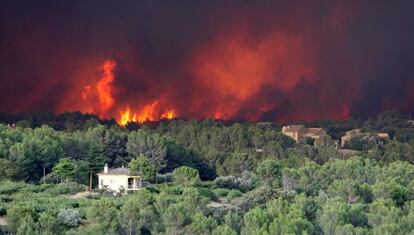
(140, 61)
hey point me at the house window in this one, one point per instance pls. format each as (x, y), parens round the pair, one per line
(101, 182)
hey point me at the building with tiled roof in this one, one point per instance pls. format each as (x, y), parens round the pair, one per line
(359, 133)
(300, 133)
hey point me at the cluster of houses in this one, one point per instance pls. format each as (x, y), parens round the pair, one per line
(301, 133)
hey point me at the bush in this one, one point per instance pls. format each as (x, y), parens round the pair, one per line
(246, 182)
(164, 178)
(205, 192)
(234, 193)
(8, 187)
(62, 188)
(3, 210)
(57, 190)
(221, 192)
(152, 189)
(69, 217)
(76, 188)
(94, 196)
(186, 175)
(6, 198)
(228, 182)
(50, 179)
(46, 186)
(178, 190)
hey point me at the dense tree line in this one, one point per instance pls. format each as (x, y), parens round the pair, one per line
(206, 177)
(352, 196)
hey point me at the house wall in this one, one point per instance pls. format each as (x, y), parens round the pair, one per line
(293, 135)
(318, 134)
(113, 182)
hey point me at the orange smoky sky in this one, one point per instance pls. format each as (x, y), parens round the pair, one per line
(232, 60)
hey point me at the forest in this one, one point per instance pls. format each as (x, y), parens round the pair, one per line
(204, 177)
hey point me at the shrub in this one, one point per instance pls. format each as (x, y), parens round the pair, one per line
(3, 210)
(221, 192)
(57, 189)
(6, 198)
(178, 190)
(17, 212)
(76, 188)
(94, 196)
(205, 192)
(152, 189)
(246, 182)
(228, 182)
(46, 186)
(69, 217)
(8, 187)
(164, 178)
(186, 175)
(50, 179)
(234, 193)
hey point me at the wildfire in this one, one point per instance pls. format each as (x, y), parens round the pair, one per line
(104, 86)
(127, 116)
(168, 115)
(149, 113)
(98, 97)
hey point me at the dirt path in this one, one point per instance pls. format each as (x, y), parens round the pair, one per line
(3, 221)
(219, 204)
(82, 194)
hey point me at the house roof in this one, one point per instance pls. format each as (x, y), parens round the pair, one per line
(315, 131)
(383, 135)
(353, 131)
(292, 128)
(116, 171)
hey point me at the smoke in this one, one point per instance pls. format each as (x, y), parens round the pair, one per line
(234, 60)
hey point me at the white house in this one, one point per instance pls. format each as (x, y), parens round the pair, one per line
(117, 179)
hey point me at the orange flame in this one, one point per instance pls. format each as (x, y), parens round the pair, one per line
(126, 117)
(149, 113)
(99, 98)
(168, 115)
(104, 87)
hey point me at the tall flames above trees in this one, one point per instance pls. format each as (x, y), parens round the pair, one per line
(107, 103)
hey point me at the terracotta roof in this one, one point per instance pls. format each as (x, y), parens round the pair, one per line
(353, 131)
(383, 135)
(315, 131)
(116, 171)
(292, 128)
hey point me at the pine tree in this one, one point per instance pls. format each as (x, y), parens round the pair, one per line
(96, 161)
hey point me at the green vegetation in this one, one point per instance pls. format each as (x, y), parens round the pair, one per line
(206, 177)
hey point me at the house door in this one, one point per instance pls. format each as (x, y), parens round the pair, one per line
(130, 183)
